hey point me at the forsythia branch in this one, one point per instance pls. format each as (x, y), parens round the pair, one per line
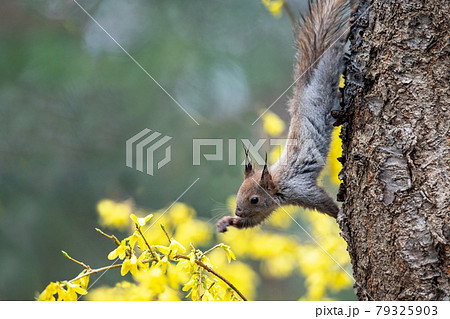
(210, 250)
(149, 258)
(74, 260)
(146, 242)
(94, 271)
(116, 241)
(198, 262)
(215, 273)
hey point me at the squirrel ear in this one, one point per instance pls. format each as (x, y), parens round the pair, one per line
(266, 179)
(248, 166)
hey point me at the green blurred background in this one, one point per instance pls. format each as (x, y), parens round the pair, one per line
(70, 98)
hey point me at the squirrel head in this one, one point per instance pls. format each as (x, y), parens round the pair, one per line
(255, 198)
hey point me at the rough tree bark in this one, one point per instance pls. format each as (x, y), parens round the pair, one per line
(396, 188)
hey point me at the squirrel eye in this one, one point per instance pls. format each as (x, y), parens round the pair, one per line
(254, 200)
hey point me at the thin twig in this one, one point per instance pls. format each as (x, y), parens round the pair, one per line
(94, 271)
(210, 250)
(207, 268)
(116, 241)
(165, 232)
(201, 297)
(145, 241)
(74, 260)
(200, 283)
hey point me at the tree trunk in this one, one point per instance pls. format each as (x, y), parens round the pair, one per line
(396, 159)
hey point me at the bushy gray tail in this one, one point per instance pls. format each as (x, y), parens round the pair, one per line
(324, 25)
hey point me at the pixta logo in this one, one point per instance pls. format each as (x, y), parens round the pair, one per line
(142, 141)
(308, 151)
(142, 146)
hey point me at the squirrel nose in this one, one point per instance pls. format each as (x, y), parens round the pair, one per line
(238, 212)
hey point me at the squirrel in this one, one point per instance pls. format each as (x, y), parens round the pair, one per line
(292, 180)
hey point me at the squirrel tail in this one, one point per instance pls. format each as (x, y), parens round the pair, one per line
(325, 25)
(321, 37)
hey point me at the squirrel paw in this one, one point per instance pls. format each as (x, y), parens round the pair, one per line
(224, 222)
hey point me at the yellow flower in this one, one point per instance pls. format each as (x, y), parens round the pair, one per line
(176, 278)
(163, 249)
(49, 292)
(145, 255)
(316, 286)
(320, 271)
(192, 259)
(272, 124)
(168, 295)
(129, 265)
(172, 250)
(182, 265)
(207, 296)
(218, 292)
(119, 251)
(279, 266)
(154, 279)
(238, 273)
(231, 203)
(141, 221)
(133, 239)
(207, 262)
(83, 281)
(229, 252)
(62, 294)
(192, 285)
(164, 263)
(224, 293)
(279, 218)
(274, 6)
(339, 280)
(180, 213)
(122, 291)
(275, 154)
(175, 247)
(341, 81)
(114, 215)
(74, 289)
(193, 231)
(334, 166)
